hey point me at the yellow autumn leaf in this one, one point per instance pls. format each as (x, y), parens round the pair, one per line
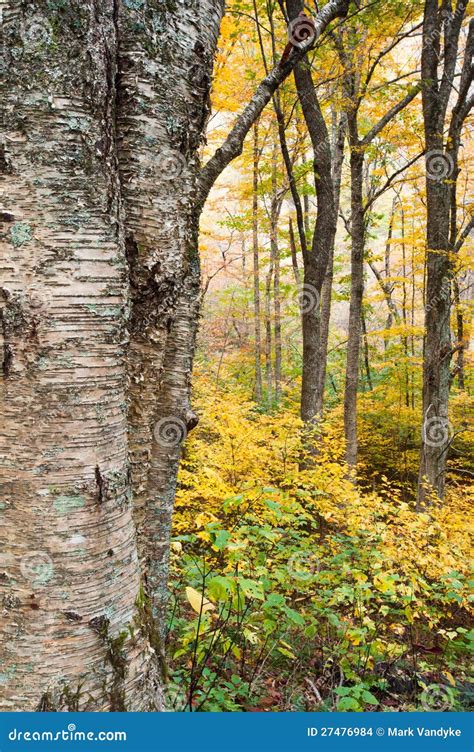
(198, 602)
(450, 678)
(383, 583)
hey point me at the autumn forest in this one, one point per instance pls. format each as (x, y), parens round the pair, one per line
(236, 456)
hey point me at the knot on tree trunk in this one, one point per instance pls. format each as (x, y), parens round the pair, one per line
(191, 420)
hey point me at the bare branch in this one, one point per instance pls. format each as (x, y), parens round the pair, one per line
(463, 235)
(369, 137)
(233, 144)
(390, 180)
(386, 50)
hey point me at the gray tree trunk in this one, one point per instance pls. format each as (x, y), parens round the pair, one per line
(355, 305)
(326, 292)
(440, 42)
(275, 254)
(256, 271)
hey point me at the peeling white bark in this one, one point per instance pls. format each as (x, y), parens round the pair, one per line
(69, 572)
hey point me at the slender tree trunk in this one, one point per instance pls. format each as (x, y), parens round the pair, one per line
(294, 256)
(366, 352)
(268, 334)
(405, 311)
(326, 293)
(275, 252)
(437, 349)
(355, 306)
(317, 259)
(306, 215)
(461, 339)
(355, 89)
(256, 270)
(412, 338)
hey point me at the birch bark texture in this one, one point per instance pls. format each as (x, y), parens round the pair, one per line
(104, 109)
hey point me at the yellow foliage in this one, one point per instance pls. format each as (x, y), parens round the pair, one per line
(239, 456)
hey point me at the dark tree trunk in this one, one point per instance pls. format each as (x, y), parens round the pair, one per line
(275, 253)
(256, 271)
(317, 258)
(355, 306)
(326, 294)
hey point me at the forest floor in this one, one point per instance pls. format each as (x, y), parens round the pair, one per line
(293, 589)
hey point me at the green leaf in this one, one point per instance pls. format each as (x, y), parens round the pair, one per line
(221, 539)
(348, 703)
(343, 691)
(369, 698)
(295, 617)
(219, 587)
(274, 600)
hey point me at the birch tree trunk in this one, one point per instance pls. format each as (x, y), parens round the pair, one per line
(166, 55)
(73, 629)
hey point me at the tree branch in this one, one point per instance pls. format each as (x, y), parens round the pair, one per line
(451, 41)
(390, 180)
(462, 237)
(386, 50)
(369, 137)
(233, 145)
